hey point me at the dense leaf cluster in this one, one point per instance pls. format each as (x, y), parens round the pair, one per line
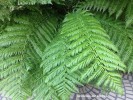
(49, 47)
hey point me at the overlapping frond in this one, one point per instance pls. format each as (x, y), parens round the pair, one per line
(82, 48)
(44, 31)
(116, 7)
(21, 48)
(13, 42)
(32, 64)
(129, 14)
(56, 72)
(92, 51)
(122, 38)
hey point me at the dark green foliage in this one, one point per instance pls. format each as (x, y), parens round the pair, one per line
(129, 14)
(48, 47)
(111, 7)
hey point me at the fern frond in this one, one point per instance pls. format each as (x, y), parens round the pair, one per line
(82, 48)
(21, 47)
(44, 31)
(56, 72)
(123, 39)
(45, 27)
(92, 51)
(129, 14)
(45, 91)
(112, 6)
(12, 67)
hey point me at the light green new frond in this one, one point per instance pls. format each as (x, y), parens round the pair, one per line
(122, 38)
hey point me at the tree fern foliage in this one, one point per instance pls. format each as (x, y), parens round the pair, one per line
(21, 47)
(80, 50)
(122, 38)
(49, 47)
(13, 44)
(112, 7)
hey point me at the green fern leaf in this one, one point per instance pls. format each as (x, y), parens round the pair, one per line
(129, 14)
(12, 51)
(112, 6)
(93, 51)
(122, 38)
(56, 74)
(82, 48)
(44, 31)
(21, 47)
